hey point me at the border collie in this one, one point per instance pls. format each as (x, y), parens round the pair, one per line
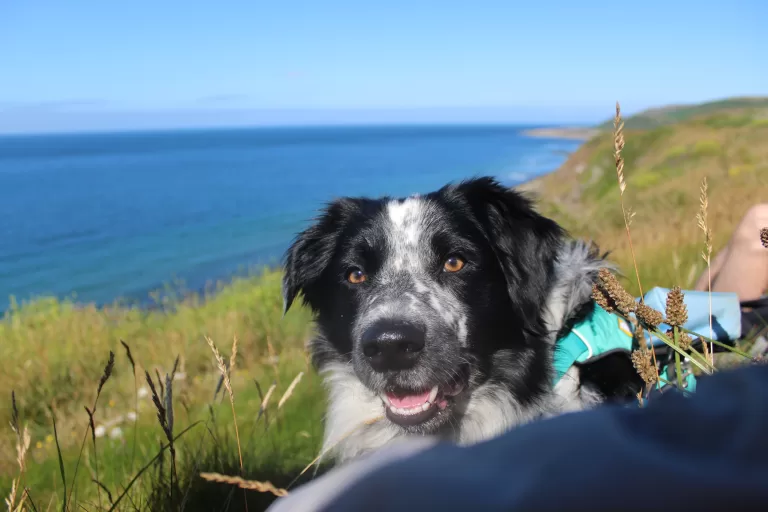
(440, 312)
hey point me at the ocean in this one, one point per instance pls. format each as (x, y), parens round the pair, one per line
(97, 217)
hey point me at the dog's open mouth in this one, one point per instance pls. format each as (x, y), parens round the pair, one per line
(408, 408)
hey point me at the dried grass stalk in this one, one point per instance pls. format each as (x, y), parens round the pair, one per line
(706, 255)
(252, 485)
(128, 353)
(221, 366)
(618, 146)
(233, 357)
(289, 391)
(106, 374)
(226, 376)
(265, 402)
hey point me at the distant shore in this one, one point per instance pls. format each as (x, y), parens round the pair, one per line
(562, 133)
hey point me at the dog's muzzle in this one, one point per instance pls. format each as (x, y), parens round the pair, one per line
(393, 345)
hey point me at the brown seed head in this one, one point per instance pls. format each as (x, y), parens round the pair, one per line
(107, 372)
(639, 335)
(643, 363)
(130, 356)
(623, 300)
(602, 299)
(649, 316)
(683, 338)
(677, 312)
(764, 237)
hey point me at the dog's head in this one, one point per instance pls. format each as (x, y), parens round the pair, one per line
(425, 297)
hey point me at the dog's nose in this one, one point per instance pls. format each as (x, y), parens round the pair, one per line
(392, 346)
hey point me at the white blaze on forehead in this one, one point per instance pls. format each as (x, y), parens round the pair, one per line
(407, 222)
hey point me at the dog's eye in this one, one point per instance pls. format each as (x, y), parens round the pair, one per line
(356, 276)
(453, 264)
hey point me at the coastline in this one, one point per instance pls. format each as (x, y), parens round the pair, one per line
(562, 133)
(181, 284)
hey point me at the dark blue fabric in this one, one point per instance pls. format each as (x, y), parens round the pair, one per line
(708, 451)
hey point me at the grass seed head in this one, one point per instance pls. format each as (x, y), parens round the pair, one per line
(684, 339)
(677, 312)
(649, 316)
(701, 219)
(233, 357)
(107, 372)
(764, 237)
(643, 363)
(618, 145)
(602, 299)
(289, 391)
(622, 299)
(130, 356)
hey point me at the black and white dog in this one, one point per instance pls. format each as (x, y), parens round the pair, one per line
(441, 312)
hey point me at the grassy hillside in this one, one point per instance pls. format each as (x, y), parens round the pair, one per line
(664, 167)
(732, 108)
(54, 351)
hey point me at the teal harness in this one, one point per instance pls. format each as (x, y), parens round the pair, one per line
(598, 334)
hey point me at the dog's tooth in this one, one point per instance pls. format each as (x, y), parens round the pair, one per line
(432, 394)
(426, 406)
(385, 399)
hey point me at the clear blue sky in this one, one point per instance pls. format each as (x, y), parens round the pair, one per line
(87, 64)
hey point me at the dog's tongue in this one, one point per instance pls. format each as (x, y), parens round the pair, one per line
(407, 401)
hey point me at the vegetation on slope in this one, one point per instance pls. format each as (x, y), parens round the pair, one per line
(664, 167)
(732, 108)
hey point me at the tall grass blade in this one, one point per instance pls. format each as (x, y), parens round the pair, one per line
(61, 460)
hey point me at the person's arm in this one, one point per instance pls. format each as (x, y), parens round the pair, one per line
(708, 451)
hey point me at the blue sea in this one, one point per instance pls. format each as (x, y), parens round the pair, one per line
(99, 217)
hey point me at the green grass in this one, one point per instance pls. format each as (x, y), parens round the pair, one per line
(55, 352)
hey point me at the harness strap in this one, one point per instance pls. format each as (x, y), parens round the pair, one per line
(598, 333)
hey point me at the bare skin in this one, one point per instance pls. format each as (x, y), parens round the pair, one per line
(742, 265)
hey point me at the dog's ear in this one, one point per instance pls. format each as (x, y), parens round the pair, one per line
(526, 243)
(311, 252)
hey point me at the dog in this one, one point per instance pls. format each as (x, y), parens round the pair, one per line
(438, 314)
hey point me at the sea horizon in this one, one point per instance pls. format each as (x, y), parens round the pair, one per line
(299, 126)
(104, 216)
